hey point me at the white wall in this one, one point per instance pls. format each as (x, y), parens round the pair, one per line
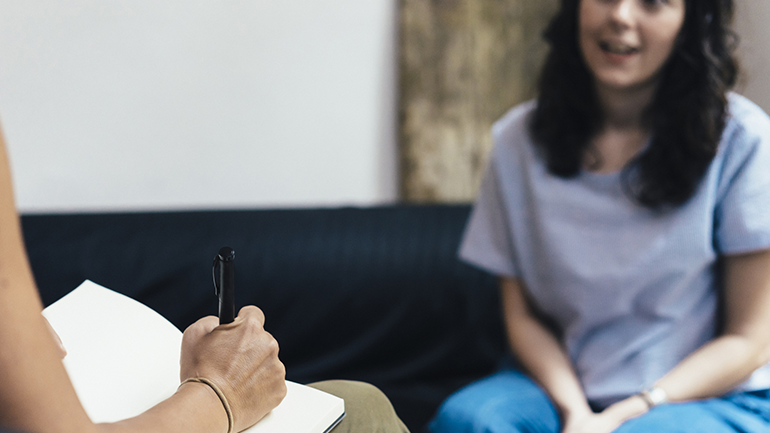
(752, 21)
(188, 104)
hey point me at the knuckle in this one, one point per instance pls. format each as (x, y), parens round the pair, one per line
(259, 314)
(272, 345)
(192, 332)
(253, 312)
(252, 325)
(200, 327)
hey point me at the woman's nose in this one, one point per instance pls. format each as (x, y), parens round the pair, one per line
(622, 13)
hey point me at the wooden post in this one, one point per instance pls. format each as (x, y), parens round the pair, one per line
(463, 63)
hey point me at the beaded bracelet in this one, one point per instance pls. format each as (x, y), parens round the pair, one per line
(220, 394)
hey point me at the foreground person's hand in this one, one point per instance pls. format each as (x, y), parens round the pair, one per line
(241, 358)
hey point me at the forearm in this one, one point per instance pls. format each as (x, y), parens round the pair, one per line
(723, 363)
(546, 361)
(540, 353)
(193, 408)
(714, 369)
(36, 394)
(720, 365)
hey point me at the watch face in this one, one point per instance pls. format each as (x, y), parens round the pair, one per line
(657, 396)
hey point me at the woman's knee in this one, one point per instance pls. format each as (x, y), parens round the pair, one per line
(714, 415)
(455, 415)
(497, 405)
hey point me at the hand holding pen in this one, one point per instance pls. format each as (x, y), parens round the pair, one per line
(241, 359)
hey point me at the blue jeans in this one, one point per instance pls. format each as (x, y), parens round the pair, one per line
(510, 402)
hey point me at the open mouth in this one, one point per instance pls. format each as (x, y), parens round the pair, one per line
(618, 48)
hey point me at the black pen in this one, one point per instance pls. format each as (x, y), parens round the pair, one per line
(224, 284)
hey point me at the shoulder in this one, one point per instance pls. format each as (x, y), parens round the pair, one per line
(746, 121)
(741, 107)
(744, 152)
(515, 122)
(511, 134)
(746, 134)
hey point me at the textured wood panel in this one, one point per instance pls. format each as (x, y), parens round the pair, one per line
(463, 63)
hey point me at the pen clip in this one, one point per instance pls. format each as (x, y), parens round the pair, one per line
(214, 268)
(226, 254)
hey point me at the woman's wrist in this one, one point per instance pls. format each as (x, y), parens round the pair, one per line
(575, 411)
(194, 408)
(208, 401)
(654, 396)
(629, 408)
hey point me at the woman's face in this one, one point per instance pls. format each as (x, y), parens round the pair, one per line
(625, 43)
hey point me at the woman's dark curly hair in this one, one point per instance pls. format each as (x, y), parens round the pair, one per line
(687, 115)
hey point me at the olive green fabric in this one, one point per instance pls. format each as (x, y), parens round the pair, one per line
(367, 409)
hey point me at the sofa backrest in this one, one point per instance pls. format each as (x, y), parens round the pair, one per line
(374, 294)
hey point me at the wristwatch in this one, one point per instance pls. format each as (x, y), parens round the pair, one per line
(654, 396)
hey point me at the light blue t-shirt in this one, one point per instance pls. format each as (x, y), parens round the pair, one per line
(632, 291)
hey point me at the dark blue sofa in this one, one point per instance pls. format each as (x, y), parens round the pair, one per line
(374, 294)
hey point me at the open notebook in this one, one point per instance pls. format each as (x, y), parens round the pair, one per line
(123, 358)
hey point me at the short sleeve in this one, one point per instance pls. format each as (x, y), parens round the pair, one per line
(742, 218)
(486, 242)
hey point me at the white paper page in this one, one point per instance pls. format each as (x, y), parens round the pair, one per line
(304, 409)
(123, 358)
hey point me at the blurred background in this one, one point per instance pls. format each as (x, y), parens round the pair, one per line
(122, 105)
